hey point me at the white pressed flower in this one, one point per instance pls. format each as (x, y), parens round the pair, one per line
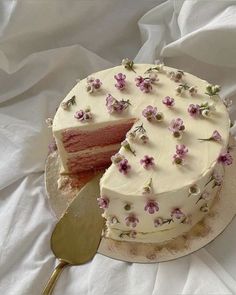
(49, 122)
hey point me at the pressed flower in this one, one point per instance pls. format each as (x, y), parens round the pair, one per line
(225, 158)
(115, 106)
(49, 122)
(178, 160)
(128, 64)
(158, 222)
(147, 162)
(214, 137)
(144, 138)
(123, 166)
(103, 202)
(227, 102)
(212, 89)
(194, 190)
(147, 189)
(204, 208)
(93, 84)
(153, 77)
(127, 146)
(176, 76)
(146, 86)
(177, 213)
(192, 90)
(131, 220)
(194, 110)
(120, 81)
(150, 112)
(168, 101)
(83, 115)
(52, 146)
(181, 150)
(176, 125)
(151, 206)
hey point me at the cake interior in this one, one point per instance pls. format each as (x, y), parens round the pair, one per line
(92, 150)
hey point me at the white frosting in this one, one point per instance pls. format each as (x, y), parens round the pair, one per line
(170, 183)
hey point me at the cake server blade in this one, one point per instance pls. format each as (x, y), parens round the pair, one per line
(77, 235)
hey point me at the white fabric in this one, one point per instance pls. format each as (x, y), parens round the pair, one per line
(44, 47)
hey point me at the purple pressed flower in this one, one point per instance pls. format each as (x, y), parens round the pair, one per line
(181, 150)
(93, 84)
(176, 125)
(168, 101)
(158, 221)
(117, 158)
(52, 146)
(150, 112)
(194, 110)
(120, 81)
(177, 213)
(147, 162)
(146, 86)
(97, 83)
(139, 80)
(225, 158)
(131, 220)
(178, 160)
(83, 116)
(216, 136)
(103, 202)
(114, 105)
(123, 166)
(151, 206)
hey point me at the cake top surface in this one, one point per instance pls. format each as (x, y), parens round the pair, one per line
(110, 105)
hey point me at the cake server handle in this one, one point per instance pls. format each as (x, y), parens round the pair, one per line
(54, 277)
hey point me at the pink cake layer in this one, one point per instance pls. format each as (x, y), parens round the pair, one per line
(74, 140)
(90, 161)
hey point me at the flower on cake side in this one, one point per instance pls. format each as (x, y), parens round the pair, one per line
(214, 137)
(168, 101)
(132, 220)
(103, 202)
(147, 162)
(216, 178)
(66, 104)
(151, 113)
(180, 154)
(120, 81)
(121, 162)
(151, 206)
(225, 158)
(93, 84)
(177, 127)
(147, 189)
(116, 106)
(205, 109)
(84, 115)
(177, 213)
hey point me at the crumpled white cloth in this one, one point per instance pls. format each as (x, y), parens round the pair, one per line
(44, 47)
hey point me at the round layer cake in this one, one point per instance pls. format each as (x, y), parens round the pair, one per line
(162, 134)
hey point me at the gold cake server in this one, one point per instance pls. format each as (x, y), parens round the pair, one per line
(77, 235)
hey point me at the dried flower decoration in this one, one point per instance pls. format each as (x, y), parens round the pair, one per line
(127, 207)
(117, 158)
(176, 76)
(177, 127)
(147, 162)
(159, 221)
(194, 190)
(205, 109)
(212, 90)
(180, 154)
(147, 189)
(132, 220)
(214, 137)
(113, 220)
(130, 234)
(204, 196)
(187, 219)
(225, 158)
(183, 87)
(128, 64)
(127, 146)
(144, 84)
(120, 81)
(115, 106)
(103, 202)
(52, 147)
(168, 101)
(151, 113)
(93, 84)
(216, 178)
(138, 132)
(204, 208)
(177, 214)
(157, 68)
(227, 102)
(49, 122)
(124, 166)
(151, 206)
(84, 115)
(66, 104)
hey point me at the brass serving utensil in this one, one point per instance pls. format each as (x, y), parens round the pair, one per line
(77, 235)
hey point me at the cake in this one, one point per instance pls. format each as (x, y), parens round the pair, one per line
(161, 134)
